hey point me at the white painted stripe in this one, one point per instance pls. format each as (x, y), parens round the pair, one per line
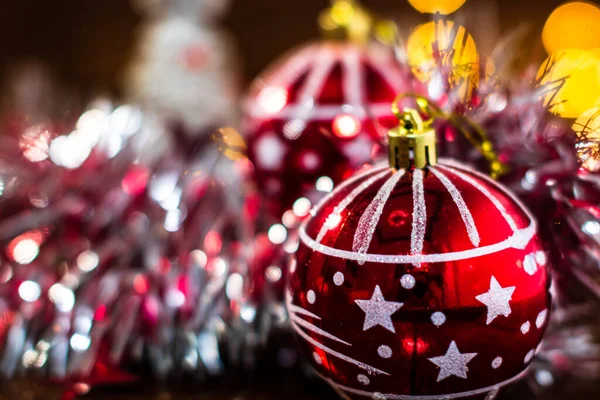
(366, 367)
(287, 73)
(518, 241)
(345, 184)
(370, 218)
(340, 208)
(292, 308)
(314, 84)
(321, 112)
(454, 165)
(465, 213)
(316, 329)
(391, 396)
(353, 77)
(419, 223)
(509, 220)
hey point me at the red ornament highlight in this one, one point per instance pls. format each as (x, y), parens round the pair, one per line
(420, 283)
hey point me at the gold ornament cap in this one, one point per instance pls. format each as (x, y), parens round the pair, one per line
(412, 143)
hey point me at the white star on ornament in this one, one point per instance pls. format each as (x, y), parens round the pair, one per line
(453, 363)
(496, 300)
(378, 311)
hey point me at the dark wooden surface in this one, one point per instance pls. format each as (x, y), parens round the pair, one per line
(274, 390)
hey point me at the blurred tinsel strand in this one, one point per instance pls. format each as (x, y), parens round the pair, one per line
(123, 249)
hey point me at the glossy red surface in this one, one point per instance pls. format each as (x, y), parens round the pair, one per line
(292, 116)
(326, 291)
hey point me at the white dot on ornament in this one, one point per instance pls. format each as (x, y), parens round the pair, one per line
(529, 264)
(277, 234)
(525, 327)
(541, 318)
(317, 358)
(272, 99)
(270, 151)
(302, 207)
(408, 281)
(324, 184)
(293, 129)
(540, 257)
(311, 297)
(438, 318)
(529, 356)
(378, 396)
(310, 161)
(346, 126)
(591, 227)
(384, 351)
(30, 291)
(273, 273)
(362, 379)
(338, 278)
(497, 362)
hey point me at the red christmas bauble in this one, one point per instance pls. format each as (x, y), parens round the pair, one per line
(426, 282)
(318, 113)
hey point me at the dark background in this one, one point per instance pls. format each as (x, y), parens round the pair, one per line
(86, 43)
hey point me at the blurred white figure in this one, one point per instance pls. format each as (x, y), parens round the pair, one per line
(183, 70)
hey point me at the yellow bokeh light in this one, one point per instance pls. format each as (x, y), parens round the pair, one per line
(573, 25)
(437, 6)
(440, 47)
(342, 12)
(346, 19)
(570, 81)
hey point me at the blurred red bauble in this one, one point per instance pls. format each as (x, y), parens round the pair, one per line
(318, 113)
(420, 282)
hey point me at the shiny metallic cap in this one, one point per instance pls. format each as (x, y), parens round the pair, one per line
(412, 143)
